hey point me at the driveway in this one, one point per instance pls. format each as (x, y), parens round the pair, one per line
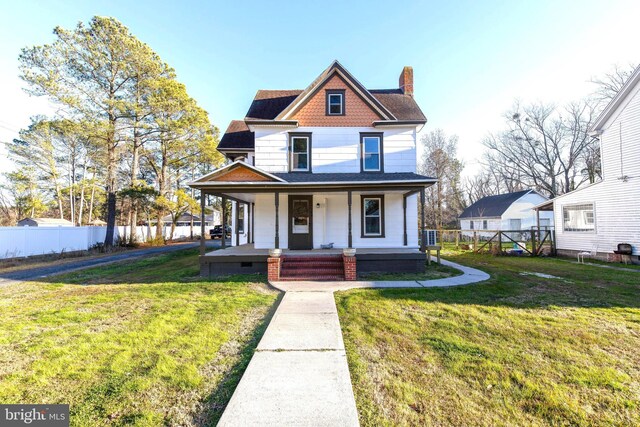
(52, 269)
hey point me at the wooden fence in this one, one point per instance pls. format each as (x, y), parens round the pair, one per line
(531, 242)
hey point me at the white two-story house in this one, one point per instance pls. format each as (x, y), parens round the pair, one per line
(600, 216)
(333, 165)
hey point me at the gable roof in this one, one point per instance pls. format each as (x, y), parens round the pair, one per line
(235, 168)
(333, 69)
(493, 206)
(278, 105)
(617, 101)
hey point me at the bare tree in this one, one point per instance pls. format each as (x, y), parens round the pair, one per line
(444, 199)
(608, 85)
(543, 147)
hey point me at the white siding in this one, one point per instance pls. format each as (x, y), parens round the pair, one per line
(617, 203)
(335, 149)
(522, 209)
(330, 221)
(492, 224)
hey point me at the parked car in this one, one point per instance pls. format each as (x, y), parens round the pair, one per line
(216, 232)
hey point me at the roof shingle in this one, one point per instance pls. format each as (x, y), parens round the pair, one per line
(294, 177)
(492, 206)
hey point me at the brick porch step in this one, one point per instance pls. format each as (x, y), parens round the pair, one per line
(312, 258)
(322, 267)
(310, 271)
(314, 278)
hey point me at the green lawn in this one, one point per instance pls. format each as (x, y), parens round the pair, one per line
(516, 350)
(147, 343)
(433, 271)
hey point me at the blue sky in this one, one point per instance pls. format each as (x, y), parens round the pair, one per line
(471, 59)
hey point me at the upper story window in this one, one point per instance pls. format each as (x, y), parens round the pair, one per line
(371, 152)
(335, 102)
(300, 152)
(578, 217)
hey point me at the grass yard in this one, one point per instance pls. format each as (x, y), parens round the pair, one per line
(519, 349)
(433, 271)
(146, 344)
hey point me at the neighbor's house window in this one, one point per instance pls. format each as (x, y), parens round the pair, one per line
(484, 224)
(335, 103)
(300, 152)
(578, 217)
(371, 152)
(240, 219)
(372, 216)
(471, 225)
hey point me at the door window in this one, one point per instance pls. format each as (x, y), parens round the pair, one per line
(300, 217)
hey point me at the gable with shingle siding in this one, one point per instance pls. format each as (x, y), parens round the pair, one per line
(357, 112)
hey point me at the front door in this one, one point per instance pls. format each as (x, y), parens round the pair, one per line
(300, 222)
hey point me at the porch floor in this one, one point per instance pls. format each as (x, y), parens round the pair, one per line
(249, 250)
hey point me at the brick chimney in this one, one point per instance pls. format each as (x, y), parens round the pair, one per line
(406, 81)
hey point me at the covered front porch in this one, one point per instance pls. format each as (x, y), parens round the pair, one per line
(246, 258)
(307, 214)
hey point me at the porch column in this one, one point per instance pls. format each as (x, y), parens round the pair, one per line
(248, 205)
(253, 221)
(404, 219)
(277, 201)
(349, 199)
(202, 220)
(423, 243)
(236, 223)
(224, 222)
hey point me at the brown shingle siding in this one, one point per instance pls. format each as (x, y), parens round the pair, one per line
(357, 112)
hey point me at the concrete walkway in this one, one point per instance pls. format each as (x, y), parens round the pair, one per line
(469, 275)
(299, 374)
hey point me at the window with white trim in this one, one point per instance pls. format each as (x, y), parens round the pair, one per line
(371, 148)
(372, 216)
(240, 219)
(299, 153)
(578, 217)
(335, 103)
(471, 225)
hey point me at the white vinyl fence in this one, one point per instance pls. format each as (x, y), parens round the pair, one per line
(28, 241)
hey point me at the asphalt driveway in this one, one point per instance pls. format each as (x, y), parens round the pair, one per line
(10, 277)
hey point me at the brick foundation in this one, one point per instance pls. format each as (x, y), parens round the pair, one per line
(273, 269)
(349, 267)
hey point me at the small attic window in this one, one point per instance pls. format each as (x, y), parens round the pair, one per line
(335, 103)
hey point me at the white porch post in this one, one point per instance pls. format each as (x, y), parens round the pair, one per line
(202, 220)
(349, 200)
(277, 202)
(423, 243)
(223, 243)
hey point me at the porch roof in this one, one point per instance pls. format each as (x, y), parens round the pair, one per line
(293, 181)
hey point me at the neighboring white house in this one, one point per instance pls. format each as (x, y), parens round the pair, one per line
(334, 163)
(44, 222)
(510, 211)
(602, 215)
